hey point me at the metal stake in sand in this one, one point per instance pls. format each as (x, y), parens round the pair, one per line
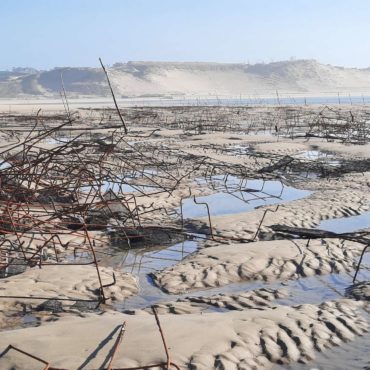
(114, 98)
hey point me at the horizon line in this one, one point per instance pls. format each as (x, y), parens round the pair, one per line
(246, 63)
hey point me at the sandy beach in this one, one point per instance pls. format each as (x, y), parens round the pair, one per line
(242, 226)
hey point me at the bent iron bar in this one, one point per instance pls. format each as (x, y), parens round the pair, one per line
(168, 365)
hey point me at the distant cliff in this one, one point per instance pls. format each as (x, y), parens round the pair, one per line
(145, 79)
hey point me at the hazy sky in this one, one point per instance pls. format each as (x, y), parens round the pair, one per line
(48, 33)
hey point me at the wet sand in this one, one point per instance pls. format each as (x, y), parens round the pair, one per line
(208, 323)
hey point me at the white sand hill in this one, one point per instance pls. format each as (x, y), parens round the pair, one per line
(145, 79)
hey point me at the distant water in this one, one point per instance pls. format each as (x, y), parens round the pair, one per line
(301, 100)
(281, 99)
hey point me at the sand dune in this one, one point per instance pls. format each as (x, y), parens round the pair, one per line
(154, 79)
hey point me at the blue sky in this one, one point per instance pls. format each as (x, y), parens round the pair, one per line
(49, 33)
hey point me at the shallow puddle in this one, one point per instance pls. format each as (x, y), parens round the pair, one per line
(238, 150)
(317, 155)
(120, 188)
(237, 196)
(123, 184)
(5, 165)
(143, 261)
(59, 140)
(346, 224)
(312, 155)
(321, 288)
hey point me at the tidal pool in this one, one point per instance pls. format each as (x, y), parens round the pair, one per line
(237, 196)
(346, 224)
